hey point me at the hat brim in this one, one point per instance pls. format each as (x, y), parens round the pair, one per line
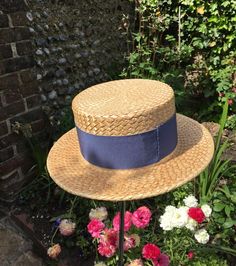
(73, 173)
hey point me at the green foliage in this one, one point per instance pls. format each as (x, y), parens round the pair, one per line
(218, 167)
(209, 260)
(224, 206)
(231, 122)
(42, 180)
(65, 124)
(177, 243)
(189, 45)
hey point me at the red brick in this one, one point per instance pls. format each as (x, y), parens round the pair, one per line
(8, 35)
(42, 136)
(5, 177)
(9, 81)
(9, 140)
(33, 101)
(27, 165)
(24, 48)
(19, 19)
(15, 64)
(12, 95)
(22, 147)
(3, 128)
(38, 125)
(1, 100)
(29, 88)
(11, 110)
(27, 75)
(28, 117)
(11, 183)
(6, 154)
(8, 6)
(4, 21)
(11, 164)
(5, 51)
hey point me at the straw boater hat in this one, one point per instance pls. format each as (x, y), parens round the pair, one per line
(128, 143)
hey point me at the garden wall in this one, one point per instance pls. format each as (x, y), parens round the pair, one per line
(49, 51)
(77, 44)
(19, 97)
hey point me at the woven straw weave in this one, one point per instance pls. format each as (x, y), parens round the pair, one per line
(123, 107)
(127, 107)
(70, 171)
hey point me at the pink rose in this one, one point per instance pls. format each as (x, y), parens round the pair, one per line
(110, 236)
(54, 251)
(162, 260)
(128, 221)
(129, 243)
(95, 227)
(141, 217)
(151, 251)
(67, 227)
(105, 249)
(137, 262)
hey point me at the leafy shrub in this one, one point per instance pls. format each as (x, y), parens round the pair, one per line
(189, 45)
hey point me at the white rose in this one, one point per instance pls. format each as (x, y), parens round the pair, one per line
(180, 217)
(166, 220)
(206, 210)
(190, 201)
(170, 209)
(99, 264)
(99, 213)
(202, 236)
(191, 224)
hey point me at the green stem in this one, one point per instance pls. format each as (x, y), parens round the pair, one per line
(94, 203)
(72, 206)
(54, 235)
(96, 248)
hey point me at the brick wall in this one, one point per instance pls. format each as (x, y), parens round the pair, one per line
(49, 51)
(19, 97)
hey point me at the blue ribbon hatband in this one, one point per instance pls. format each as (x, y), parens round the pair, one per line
(125, 152)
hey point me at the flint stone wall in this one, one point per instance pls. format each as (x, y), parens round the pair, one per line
(77, 44)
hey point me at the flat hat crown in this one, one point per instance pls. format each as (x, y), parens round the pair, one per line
(123, 107)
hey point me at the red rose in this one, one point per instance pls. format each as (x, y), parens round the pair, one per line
(196, 214)
(151, 251)
(230, 102)
(190, 255)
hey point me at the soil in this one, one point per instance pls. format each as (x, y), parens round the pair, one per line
(33, 216)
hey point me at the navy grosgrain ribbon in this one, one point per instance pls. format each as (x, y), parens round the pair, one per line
(125, 152)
